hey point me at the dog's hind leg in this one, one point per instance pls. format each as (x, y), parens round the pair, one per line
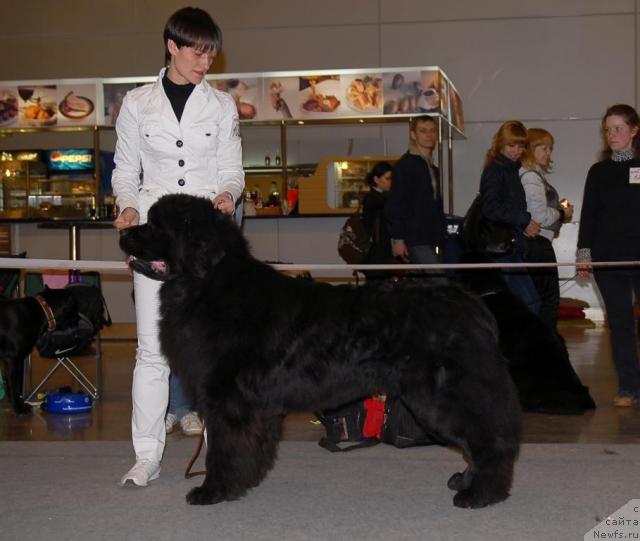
(239, 455)
(489, 438)
(487, 430)
(487, 479)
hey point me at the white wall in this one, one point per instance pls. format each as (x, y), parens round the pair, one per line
(553, 64)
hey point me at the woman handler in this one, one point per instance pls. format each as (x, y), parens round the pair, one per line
(177, 135)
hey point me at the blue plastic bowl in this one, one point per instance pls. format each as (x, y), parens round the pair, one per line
(68, 403)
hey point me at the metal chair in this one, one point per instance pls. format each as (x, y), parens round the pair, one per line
(33, 284)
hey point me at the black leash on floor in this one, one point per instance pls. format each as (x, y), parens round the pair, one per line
(188, 474)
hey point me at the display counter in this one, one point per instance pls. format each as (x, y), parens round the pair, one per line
(283, 99)
(338, 185)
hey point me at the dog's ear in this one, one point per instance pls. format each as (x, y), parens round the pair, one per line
(210, 247)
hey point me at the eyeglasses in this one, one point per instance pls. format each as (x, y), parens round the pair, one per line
(614, 129)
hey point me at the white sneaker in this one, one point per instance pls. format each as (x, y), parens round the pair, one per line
(142, 472)
(170, 422)
(191, 424)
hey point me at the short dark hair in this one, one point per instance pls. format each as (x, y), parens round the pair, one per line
(192, 27)
(378, 170)
(415, 120)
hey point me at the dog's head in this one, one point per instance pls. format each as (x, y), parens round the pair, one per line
(184, 235)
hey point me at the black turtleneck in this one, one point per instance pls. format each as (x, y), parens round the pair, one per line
(609, 223)
(177, 94)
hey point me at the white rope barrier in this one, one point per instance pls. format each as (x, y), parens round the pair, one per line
(121, 266)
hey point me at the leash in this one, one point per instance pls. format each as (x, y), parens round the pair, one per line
(188, 474)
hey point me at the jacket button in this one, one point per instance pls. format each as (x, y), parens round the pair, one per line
(181, 163)
(179, 143)
(181, 182)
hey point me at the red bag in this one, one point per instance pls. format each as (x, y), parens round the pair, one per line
(373, 420)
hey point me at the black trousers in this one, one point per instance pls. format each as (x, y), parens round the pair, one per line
(617, 287)
(545, 280)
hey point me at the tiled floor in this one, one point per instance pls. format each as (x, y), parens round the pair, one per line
(110, 418)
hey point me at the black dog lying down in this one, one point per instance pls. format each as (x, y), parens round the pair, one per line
(251, 345)
(22, 321)
(538, 360)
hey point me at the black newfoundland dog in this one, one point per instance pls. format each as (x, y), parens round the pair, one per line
(22, 322)
(538, 359)
(252, 345)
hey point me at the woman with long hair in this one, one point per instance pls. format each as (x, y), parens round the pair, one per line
(610, 231)
(543, 204)
(502, 200)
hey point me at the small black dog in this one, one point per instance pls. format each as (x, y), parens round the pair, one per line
(251, 345)
(22, 321)
(538, 359)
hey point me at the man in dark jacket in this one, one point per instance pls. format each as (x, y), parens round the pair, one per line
(415, 209)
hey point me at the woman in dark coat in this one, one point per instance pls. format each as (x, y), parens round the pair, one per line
(502, 199)
(374, 220)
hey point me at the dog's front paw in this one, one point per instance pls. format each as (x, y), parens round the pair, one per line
(203, 496)
(22, 409)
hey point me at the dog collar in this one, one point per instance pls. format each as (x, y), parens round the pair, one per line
(51, 320)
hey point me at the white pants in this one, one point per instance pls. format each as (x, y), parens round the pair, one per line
(150, 391)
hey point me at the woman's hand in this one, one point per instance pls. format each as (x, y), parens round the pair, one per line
(532, 230)
(568, 213)
(224, 203)
(584, 269)
(127, 218)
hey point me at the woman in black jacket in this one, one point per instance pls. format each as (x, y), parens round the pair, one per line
(374, 220)
(502, 199)
(610, 231)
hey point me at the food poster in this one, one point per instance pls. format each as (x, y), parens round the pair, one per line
(411, 92)
(247, 94)
(319, 96)
(37, 105)
(114, 93)
(364, 94)
(280, 97)
(457, 113)
(76, 104)
(9, 106)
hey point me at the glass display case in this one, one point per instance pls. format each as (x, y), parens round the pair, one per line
(30, 189)
(347, 182)
(61, 198)
(17, 175)
(338, 185)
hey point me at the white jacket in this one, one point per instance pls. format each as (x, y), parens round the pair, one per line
(201, 155)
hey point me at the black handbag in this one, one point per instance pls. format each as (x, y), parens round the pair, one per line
(64, 342)
(396, 426)
(400, 428)
(354, 241)
(345, 424)
(497, 239)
